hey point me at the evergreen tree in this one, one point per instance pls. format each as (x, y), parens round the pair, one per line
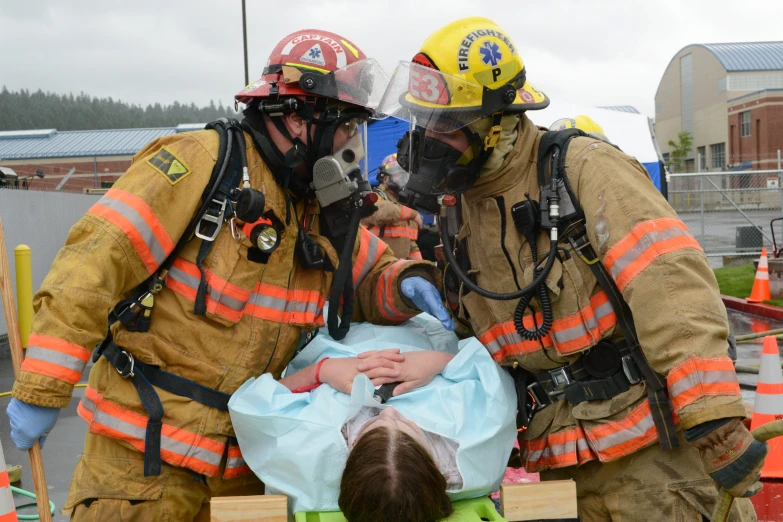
(22, 110)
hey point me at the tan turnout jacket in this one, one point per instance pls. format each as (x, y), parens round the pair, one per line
(395, 225)
(658, 266)
(256, 313)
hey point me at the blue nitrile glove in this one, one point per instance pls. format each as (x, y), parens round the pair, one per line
(427, 299)
(30, 423)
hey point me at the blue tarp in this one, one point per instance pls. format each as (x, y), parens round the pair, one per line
(382, 140)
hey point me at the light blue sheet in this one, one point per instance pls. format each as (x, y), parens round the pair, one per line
(293, 442)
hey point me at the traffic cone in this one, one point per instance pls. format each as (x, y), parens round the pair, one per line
(7, 508)
(769, 404)
(760, 290)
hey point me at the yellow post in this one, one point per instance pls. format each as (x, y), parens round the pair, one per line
(24, 290)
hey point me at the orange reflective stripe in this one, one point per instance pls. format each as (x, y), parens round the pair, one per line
(401, 231)
(415, 256)
(273, 303)
(557, 450)
(371, 250)
(385, 292)
(235, 463)
(405, 213)
(55, 358)
(502, 340)
(568, 334)
(136, 220)
(586, 327)
(698, 377)
(291, 306)
(184, 279)
(51, 370)
(178, 447)
(643, 245)
(619, 438)
(146, 213)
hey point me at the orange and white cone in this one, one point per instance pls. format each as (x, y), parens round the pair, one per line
(7, 508)
(769, 404)
(760, 291)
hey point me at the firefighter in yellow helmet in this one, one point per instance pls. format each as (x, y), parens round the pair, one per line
(216, 251)
(583, 123)
(578, 276)
(397, 225)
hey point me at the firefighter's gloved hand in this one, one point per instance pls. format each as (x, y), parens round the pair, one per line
(427, 299)
(30, 423)
(730, 454)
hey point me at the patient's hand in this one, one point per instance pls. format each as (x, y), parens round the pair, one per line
(340, 372)
(417, 370)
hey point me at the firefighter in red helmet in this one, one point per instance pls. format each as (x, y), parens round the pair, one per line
(216, 252)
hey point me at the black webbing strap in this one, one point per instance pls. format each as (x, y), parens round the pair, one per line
(578, 385)
(144, 377)
(656, 384)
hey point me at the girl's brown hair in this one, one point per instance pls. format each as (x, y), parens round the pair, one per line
(389, 477)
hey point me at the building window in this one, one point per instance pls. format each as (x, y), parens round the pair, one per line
(702, 152)
(718, 153)
(107, 184)
(744, 124)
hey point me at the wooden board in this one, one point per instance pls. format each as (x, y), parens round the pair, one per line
(552, 499)
(262, 508)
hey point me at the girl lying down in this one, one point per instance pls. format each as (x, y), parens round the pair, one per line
(445, 434)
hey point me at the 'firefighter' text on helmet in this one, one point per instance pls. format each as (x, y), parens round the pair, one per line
(469, 69)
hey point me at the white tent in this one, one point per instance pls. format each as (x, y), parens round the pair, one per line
(631, 132)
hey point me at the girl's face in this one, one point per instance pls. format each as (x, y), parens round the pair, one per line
(391, 418)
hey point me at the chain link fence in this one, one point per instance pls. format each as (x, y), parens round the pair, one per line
(731, 213)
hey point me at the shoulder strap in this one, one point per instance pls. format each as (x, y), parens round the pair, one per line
(552, 150)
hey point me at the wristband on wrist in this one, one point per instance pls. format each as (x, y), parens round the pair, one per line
(318, 382)
(318, 370)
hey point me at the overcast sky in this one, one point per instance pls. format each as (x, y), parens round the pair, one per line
(610, 52)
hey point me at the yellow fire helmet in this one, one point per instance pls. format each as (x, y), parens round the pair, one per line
(469, 69)
(581, 122)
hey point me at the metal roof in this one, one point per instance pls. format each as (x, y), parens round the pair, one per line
(748, 56)
(622, 108)
(51, 143)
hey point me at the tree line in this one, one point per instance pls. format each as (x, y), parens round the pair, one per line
(23, 110)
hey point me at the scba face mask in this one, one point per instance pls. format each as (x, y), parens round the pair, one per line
(436, 167)
(339, 175)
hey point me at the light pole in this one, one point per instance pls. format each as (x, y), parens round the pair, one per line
(244, 39)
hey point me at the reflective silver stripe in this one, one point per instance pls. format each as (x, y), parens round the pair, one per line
(88, 404)
(603, 310)
(624, 435)
(214, 294)
(136, 432)
(642, 245)
(556, 450)
(502, 340)
(275, 303)
(53, 356)
(575, 332)
(235, 462)
(141, 226)
(372, 252)
(698, 377)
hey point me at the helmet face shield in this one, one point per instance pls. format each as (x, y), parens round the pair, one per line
(361, 83)
(431, 99)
